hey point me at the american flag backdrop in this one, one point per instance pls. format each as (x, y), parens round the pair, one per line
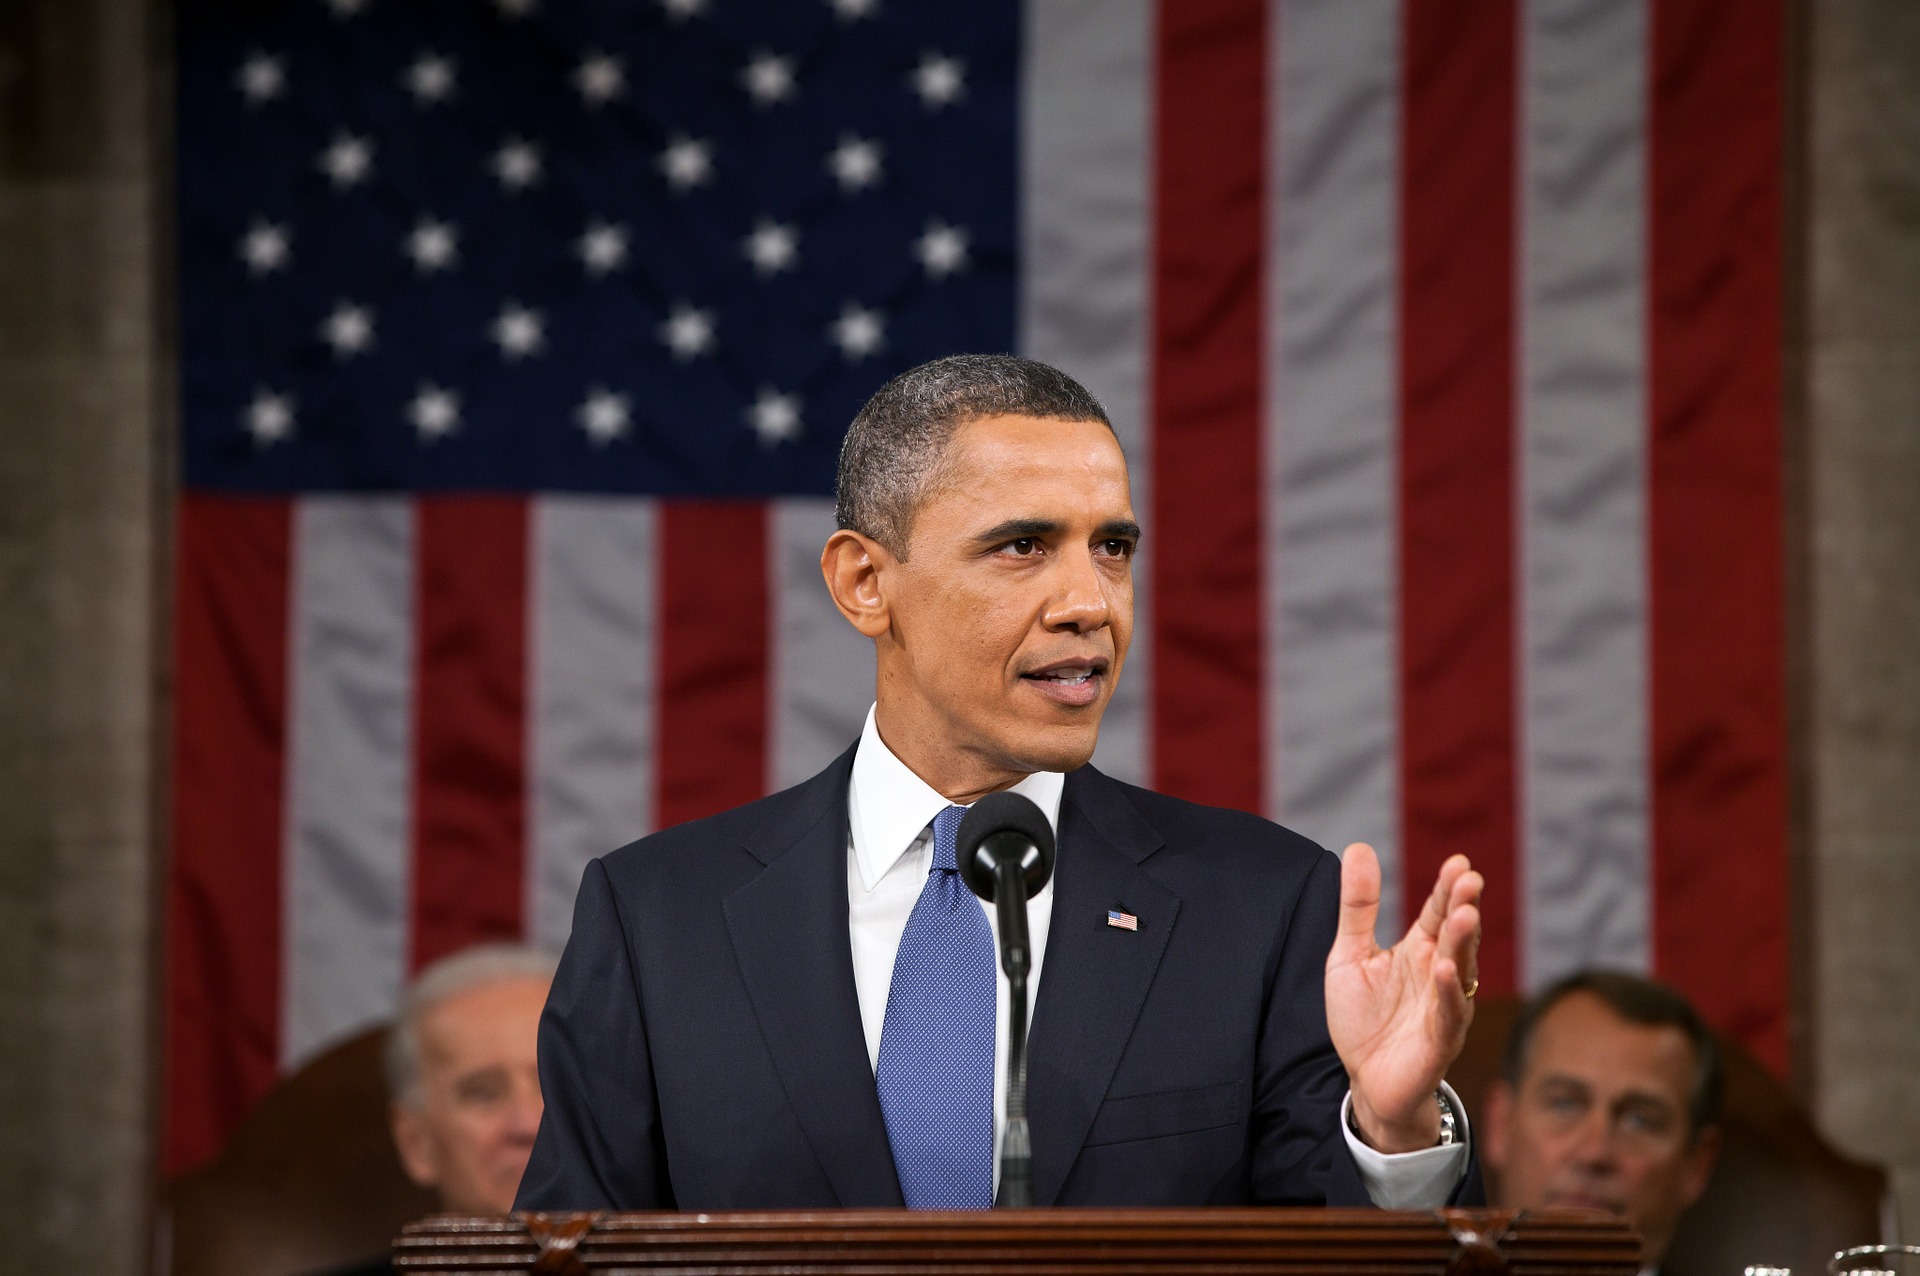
(518, 339)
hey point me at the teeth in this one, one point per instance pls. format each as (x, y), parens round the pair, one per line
(1071, 679)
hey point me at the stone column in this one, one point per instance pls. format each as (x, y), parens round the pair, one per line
(78, 458)
(1862, 451)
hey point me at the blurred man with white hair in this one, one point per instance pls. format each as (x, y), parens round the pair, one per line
(462, 1071)
(463, 1078)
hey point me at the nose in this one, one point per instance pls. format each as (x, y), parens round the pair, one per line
(1079, 603)
(1594, 1141)
(523, 1117)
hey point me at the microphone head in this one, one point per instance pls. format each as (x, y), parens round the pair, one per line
(1004, 826)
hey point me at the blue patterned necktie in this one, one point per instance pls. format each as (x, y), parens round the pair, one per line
(935, 1073)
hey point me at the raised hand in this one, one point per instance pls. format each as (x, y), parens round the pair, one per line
(1399, 1015)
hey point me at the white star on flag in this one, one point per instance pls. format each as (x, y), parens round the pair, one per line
(518, 331)
(511, 9)
(516, 164)
(681, 10)
(858, 331)
(265, 247)
(348, 329)
(604, 415)
(852, 10)
(262, 78)
(771, 247)
(768, 78)
(855, 163)
(430, 78)
(942, 250)
(687, 332)
(602, 248)
(346, 8)
(435, 412)
(269, 418)
(601, 77)
(687, 162)
(939, 80)
(433, 245)
(775, 417)
(347, 160)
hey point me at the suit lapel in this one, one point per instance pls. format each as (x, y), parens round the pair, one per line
(1095, 976)
(789, 933)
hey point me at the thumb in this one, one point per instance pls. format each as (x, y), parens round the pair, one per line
(1359, 903)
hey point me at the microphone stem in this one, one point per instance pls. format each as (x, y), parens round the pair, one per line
(1016, 955)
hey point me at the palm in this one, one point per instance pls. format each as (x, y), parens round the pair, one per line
(1398, 1016)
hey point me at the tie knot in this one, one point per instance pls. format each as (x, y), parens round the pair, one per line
(946, 831)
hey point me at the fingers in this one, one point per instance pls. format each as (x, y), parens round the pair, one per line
(1456, 1010)
(1359, 902)
(1435, 911)
(1459, 953)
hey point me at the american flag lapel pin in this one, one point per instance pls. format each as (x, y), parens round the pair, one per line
(1122, 921)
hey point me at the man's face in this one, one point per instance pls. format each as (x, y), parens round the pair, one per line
(1599, 1121)
(1007, 625)
(471, 1132)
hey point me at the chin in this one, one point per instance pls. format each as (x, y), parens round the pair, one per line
(1057, 748)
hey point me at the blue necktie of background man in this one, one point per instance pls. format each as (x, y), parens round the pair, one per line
(935, 1072)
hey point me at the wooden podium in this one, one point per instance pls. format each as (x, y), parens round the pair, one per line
(1054, 1241)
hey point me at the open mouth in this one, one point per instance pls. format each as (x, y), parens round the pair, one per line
(1073, 683)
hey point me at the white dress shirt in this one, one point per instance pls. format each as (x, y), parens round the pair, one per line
(889, 811)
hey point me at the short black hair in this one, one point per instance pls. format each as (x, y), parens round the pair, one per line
(1637, 1000)
(894, 447)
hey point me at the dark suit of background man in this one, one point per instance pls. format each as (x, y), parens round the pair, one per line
(730, 1029)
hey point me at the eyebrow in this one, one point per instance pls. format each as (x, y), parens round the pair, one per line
(1021, 528)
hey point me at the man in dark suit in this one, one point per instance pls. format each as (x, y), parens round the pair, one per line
(1609, 1099)
(794, 1004)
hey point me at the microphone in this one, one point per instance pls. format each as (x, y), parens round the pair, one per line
(1004, 850)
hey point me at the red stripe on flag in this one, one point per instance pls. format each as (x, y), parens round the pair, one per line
(713, 657)
(1456, 457)
(1207, 292)
(1714, 316)
(229, 742)
(469, 745)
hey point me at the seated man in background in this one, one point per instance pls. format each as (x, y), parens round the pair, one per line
(1609, 1097)
(463, 1076)
(462, 1071)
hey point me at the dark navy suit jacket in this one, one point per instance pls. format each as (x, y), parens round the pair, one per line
(702, 1046)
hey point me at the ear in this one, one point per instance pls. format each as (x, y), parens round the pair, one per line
(853, 565)
(1701, 1158)
(419, 1152)
(1496, 1122)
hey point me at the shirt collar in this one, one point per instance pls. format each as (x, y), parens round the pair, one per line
(888, 805)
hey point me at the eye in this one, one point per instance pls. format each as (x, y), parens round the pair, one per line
(1023, 546)
(1563, 1105)
(1115, 548)
(482, 1088)
(1645, 1120)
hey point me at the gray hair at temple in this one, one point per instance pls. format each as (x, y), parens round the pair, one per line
(463, 971)
(1639, 1001)
(891, 458)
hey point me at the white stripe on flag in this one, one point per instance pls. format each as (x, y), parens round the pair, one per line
(1086, 166)
(822, 680)
(349, 794)
(1583, 396)
(1331, 574)
(592, 712)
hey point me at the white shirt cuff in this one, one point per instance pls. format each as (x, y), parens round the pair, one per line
(1420, 1180)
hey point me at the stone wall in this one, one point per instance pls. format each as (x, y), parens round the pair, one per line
(1862, 483)
(77, 564)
